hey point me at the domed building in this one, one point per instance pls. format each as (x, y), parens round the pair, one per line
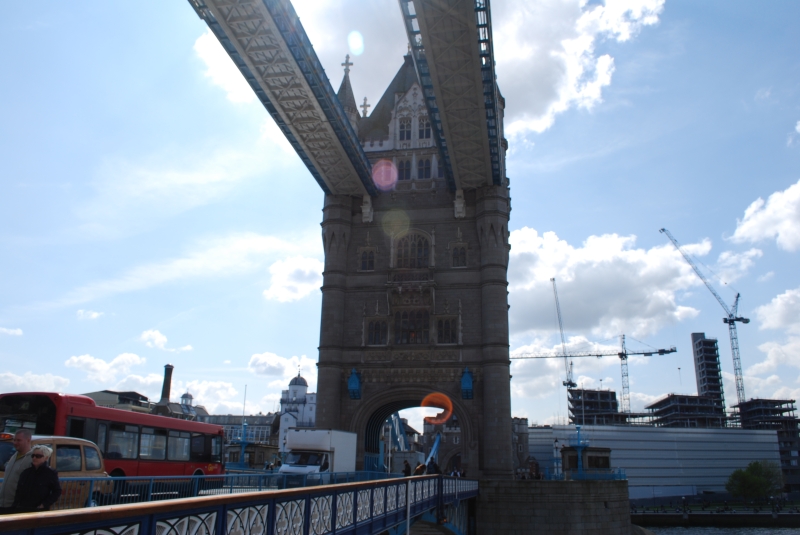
(298, 408)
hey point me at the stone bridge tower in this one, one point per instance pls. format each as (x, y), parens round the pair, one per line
(414, 298)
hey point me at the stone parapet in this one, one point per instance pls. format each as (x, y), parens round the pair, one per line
(553, 507)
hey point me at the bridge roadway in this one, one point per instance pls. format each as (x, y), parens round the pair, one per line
(453, 55)
(367, 508)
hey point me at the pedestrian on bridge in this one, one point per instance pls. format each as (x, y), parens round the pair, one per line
(419, 470)
(406, 469)
(14, 467)
(38, 488)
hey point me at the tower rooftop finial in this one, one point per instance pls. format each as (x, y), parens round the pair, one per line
(365, 106)
(347, 64)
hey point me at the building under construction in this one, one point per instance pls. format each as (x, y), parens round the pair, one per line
(598, 407)
(778, 415)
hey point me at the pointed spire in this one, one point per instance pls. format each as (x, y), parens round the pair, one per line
(346, 96)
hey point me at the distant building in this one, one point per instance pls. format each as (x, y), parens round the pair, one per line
(449, 457)
(662, 462)
(594, 407)
(259, 427)
(777, 415)
(521, 446)
(126, 401)
(677, 410)
(185, 410)
(298, 409)
(707, 367)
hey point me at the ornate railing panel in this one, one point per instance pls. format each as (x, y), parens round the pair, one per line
(353, 508)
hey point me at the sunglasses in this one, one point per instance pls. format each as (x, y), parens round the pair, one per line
(37, 456)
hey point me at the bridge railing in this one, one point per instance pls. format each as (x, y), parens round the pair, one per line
(364, 508)
(79, 492)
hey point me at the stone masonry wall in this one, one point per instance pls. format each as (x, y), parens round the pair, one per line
(553, 507)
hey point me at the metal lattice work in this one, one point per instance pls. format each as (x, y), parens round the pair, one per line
(459, 83)
(270, 47)
(247, 520)
(193, 524)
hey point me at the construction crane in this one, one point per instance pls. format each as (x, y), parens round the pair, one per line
(623, 354)
(569, 383)
(731, 319)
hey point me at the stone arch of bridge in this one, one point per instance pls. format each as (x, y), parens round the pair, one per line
(374, 411)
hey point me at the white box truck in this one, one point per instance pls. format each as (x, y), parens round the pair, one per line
(314, 451)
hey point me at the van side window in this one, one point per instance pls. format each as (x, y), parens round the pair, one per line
(68, 458)
(123, 442)
(178, 446)
(92, 457)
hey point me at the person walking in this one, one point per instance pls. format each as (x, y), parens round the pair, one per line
(14, 467)
(38, 487)
(419, 470)
(406, 469)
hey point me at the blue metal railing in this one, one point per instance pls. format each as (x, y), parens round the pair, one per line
(354, 508)
(77, 492)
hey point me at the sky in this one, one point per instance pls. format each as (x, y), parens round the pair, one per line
(152, 213)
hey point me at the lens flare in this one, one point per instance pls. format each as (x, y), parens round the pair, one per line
(395, 223)
(384, 175)
(356, 43)
(441, 401)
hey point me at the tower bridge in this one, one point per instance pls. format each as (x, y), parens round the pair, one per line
(415, 217)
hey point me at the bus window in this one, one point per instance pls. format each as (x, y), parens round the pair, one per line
(123, 442)
(32, 411)
(68, 458)
(101, 436)
(179, 445)
(76, 427)
(153, 445)
(216, 449)
(199, 447)
(92, 458)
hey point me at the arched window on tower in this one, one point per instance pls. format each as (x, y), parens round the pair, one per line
(405, 129)
(459, 257)
(404, 170)
(447, 331)
(367, 261)
(424, 168)
(412, 251)
(377, 333)
(411, 327)
(424, 128)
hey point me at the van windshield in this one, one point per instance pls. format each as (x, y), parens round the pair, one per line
(304, 458)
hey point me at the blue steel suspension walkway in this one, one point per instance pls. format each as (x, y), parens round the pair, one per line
(367, 508)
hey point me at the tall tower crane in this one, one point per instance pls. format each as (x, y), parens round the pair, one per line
(731, 318)
(623, 354)
(569, 383)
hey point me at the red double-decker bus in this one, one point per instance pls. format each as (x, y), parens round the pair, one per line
(133, 444)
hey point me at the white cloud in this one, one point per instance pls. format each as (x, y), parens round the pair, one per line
(89, 314)
(294, 278)
(766, 276)
(102, 371)
(29, 382)
(221, 69)
(226, 361)
(218, 257)
(797, 127)
(11, 332)
(283, 369)
(606, 286)
(148, 385)
(778, 217)
(546, 53)
(154, 338)
(732, 266)
(783, 312)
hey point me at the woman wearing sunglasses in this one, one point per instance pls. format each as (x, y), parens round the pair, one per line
(38, 486)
